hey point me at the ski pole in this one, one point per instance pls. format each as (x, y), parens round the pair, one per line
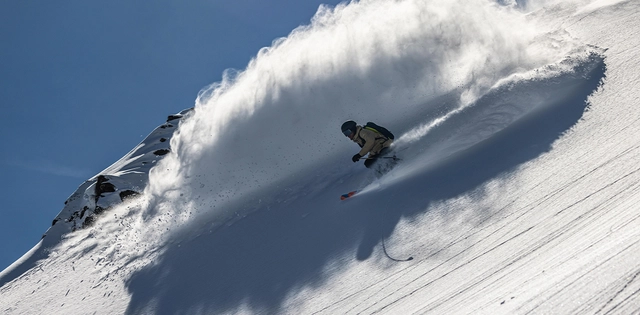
(383, 157)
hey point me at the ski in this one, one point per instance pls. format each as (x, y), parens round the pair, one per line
(380, 169)
(348, 195)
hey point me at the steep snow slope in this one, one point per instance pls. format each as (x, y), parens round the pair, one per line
(124, 179)
(516, 192)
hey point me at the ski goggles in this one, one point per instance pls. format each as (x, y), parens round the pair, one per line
(347, 132)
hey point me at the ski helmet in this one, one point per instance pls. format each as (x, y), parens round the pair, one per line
(349, 125)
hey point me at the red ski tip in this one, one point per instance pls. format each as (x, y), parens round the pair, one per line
(347, 195)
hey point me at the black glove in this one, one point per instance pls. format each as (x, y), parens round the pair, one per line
(356, 158)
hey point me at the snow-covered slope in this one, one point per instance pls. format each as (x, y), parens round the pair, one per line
(516, 192)
(126, 178)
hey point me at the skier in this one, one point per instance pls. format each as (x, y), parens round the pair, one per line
(372, 139)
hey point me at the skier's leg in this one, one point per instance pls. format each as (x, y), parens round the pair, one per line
(370, 160)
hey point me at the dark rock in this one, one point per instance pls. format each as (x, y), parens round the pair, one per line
(128, 194)
(99, 210)
(161, 151)
(173, 117)
(88, 221)
(101, 179)
(84, 209)
(106, 187)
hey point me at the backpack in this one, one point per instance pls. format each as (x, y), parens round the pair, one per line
(379, 129)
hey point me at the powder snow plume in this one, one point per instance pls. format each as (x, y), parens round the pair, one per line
(368, 60)
(251, 135)
(442, 75)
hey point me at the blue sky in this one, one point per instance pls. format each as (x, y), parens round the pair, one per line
(83, 82)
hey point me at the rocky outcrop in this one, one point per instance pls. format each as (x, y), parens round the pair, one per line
(122, 181)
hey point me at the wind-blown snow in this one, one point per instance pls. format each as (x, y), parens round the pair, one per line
(368, 61)
(516, 191)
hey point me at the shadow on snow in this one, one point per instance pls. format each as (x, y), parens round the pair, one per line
(257, 262)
